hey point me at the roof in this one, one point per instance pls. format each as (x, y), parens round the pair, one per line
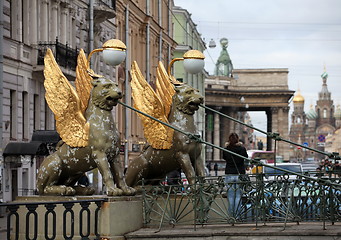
(25, 148)
(311, 114)
(37, 146)
(298, 97)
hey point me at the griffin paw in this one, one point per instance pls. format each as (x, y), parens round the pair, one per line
(114, 192)
(128, 191)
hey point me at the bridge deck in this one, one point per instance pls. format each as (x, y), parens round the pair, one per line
(272, 231)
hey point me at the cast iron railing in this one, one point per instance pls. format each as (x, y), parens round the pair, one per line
(65, 56)
(62, 219)
(261, 201)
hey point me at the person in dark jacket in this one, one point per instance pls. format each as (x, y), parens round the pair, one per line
(234, 167)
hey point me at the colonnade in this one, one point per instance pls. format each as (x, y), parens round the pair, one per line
(45, 20)
(277, 122)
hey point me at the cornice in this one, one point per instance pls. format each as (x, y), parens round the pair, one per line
(261, 71)
(225, 92)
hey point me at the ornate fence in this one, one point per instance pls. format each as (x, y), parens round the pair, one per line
(257, 200)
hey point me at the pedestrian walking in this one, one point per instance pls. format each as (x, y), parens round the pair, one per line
(234, 168)
(209, 168)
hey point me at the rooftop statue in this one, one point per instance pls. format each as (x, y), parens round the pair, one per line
(86, 126)
(167, 150)
(224, 66)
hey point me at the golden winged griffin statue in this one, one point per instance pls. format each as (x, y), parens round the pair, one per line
(167, 150)
(85, 124)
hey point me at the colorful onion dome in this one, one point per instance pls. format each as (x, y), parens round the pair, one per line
(311, 114)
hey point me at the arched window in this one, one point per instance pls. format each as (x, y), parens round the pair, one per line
(324, 113)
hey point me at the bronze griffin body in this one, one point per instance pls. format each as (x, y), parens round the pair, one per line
(178, 151)
(88, 130)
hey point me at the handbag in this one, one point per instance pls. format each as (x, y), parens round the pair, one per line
(245, 182)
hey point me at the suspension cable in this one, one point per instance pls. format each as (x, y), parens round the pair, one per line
(155, 119)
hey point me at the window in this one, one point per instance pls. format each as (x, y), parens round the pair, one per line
(16, 20)
(110, 3)
(36, 112)
(25, 119)
(25, 21)
(298, 120)
(49, 118)
(46, 115)
(292, 168)
(324, 113)
(13, 114)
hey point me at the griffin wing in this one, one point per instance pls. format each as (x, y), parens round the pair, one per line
(83, 80)
(164, 87)
(147, 101)
(65, 104)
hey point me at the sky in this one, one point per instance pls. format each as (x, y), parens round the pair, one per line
(301, 35)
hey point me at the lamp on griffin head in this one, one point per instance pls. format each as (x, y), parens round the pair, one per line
(193, 61)
(114, 52)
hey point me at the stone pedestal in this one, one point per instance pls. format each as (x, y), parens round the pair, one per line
(120, 216)
(116, 217)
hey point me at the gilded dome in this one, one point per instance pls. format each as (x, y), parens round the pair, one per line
(337, 113)
(311, 114)
(298, 97)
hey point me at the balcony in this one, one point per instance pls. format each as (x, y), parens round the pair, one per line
(65, 56)
(104, 10)
(109, 3)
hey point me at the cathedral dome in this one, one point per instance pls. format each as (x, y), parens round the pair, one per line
(298, 97)
(337, 113)
(311, 114)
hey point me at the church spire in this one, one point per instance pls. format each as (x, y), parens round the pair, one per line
(324, 75)
(324, 94)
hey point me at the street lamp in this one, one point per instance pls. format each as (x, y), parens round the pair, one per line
(114, 52)
(193, 62)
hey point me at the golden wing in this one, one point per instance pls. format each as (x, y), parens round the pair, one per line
(147, 101)
(164, 87)
(65, 104)
(83, 80)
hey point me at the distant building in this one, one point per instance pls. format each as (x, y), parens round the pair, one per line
(312, 128)
(28, 28)
(234, 92)
(187, 38)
